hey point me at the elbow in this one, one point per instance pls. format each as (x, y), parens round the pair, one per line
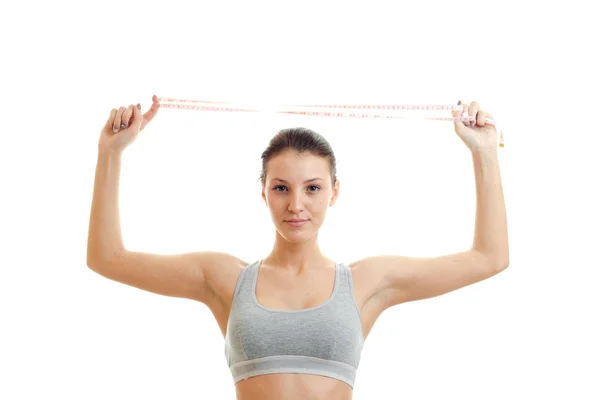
(495, 261)
(95, 259)
(92, 262)
(501, 264)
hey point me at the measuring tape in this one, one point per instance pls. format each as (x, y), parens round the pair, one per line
(355, 111)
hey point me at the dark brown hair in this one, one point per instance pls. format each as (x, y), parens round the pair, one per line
(301, 140)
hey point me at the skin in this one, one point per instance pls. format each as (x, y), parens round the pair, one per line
(296, 249)
(296, 275)
(288, 274)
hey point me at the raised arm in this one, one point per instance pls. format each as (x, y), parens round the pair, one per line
(393, 280)
(193, 275)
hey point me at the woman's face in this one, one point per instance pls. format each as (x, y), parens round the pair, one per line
(298, 186)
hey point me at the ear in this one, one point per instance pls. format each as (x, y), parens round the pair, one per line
(263, 195)
(336, 192)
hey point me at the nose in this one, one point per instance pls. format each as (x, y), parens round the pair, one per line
(296, 206)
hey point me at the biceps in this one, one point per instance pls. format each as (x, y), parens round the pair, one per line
(410, 279)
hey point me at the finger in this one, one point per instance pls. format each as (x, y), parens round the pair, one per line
(137, 117)
(458, 113)
(117, 120)
(481, 117)
(465, 114)
(473, 110)
(126, 117)
(151, 113)
(111, 117)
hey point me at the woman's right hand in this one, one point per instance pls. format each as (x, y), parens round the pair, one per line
(123, 126)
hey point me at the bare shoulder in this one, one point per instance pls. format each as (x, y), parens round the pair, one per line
(202, 276)
(222, 276)
(364, 280)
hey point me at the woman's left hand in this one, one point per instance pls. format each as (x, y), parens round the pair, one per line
(477, 135)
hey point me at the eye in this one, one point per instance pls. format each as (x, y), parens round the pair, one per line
(276, 188)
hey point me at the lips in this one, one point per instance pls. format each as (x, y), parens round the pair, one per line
(295, 220)
(297, 224)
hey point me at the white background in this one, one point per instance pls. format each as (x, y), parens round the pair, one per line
(407, 187)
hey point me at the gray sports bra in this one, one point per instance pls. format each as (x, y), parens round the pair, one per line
(324, 340)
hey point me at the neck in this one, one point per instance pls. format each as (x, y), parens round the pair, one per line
(296, 256)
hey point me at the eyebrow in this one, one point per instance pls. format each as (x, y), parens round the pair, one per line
(310, 180)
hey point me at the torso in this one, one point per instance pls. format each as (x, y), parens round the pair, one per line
(276, 290)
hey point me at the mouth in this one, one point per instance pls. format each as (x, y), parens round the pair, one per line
(296, 222)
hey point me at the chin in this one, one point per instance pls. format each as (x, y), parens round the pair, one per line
(296, 239)
(296, 235)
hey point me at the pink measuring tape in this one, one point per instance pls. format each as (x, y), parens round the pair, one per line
(355, 111)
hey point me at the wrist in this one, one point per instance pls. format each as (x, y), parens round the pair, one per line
(491, 152)
(103, 151)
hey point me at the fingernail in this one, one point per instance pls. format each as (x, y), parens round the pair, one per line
(139, 106)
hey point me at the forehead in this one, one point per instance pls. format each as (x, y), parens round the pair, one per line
(291, 165)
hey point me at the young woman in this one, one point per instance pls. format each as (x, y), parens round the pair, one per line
(295, 322)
